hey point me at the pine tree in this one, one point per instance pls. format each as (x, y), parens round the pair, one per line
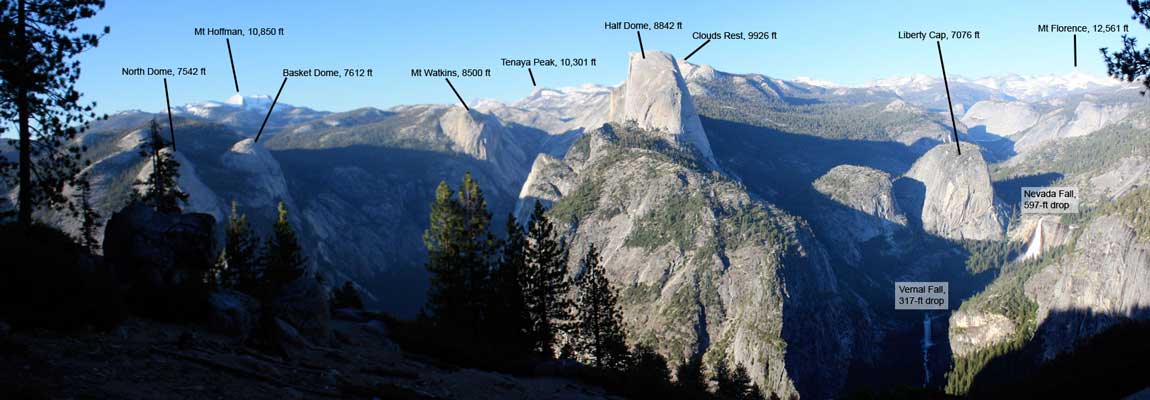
(284, 261)
(444, 241)
(689, 378)
(161, 190)
(724, 387)
(508, 319)
(481, 249)
(239, 266)
(460, 253)
(735, 385)
(89, 219)
(647, 375)
(547, 285)
(1131, 63)
(599, 337)
(38, 74)
(346, 296)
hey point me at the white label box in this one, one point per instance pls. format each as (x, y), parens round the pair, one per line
(1049, 200)
(921, 295)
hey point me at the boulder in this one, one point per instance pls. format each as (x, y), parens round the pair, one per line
(159, 251)
(160, 259)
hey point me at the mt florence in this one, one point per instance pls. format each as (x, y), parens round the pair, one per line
(754, 221)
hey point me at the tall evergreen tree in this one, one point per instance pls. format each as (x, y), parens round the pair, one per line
(547, 285)
(444, 241)
(283, 257)
(38, 74)
(283, 263)
(735, 385)
(460, 250)
(599, 338)
(647, 375)
(89, 219)
(161, 191)
(689, 377)
(508, 318)
(239, 266)
(481, 248)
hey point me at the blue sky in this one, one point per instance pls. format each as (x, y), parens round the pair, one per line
(848, 42)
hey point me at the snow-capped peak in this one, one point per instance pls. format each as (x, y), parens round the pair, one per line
(207, 109)
(552, 98)
(914, 82)
(1039, 86)
(1030, 87)
(1082, 80)
(258, 102)
(815, 82)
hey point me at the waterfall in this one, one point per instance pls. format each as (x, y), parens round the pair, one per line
(926, 345)
(1034, 248)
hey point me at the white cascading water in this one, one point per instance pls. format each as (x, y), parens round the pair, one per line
(1034, 248)
(927, 343)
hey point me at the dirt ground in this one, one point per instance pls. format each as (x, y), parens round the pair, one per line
(151, 360)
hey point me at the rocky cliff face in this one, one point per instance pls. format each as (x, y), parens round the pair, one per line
(971, 331)
(364, 181)
(656, 97)
(1003, 118)
(483, 137)
(261, 174)
(201, 198)
(957, 200)
(1077, 161)
(862, 207)
(550, 177)
(1072, 120)
(1128, 173)
(1104, 279)
(1032, 125)
(701, 265)
(1099, 277)
(434, 129)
